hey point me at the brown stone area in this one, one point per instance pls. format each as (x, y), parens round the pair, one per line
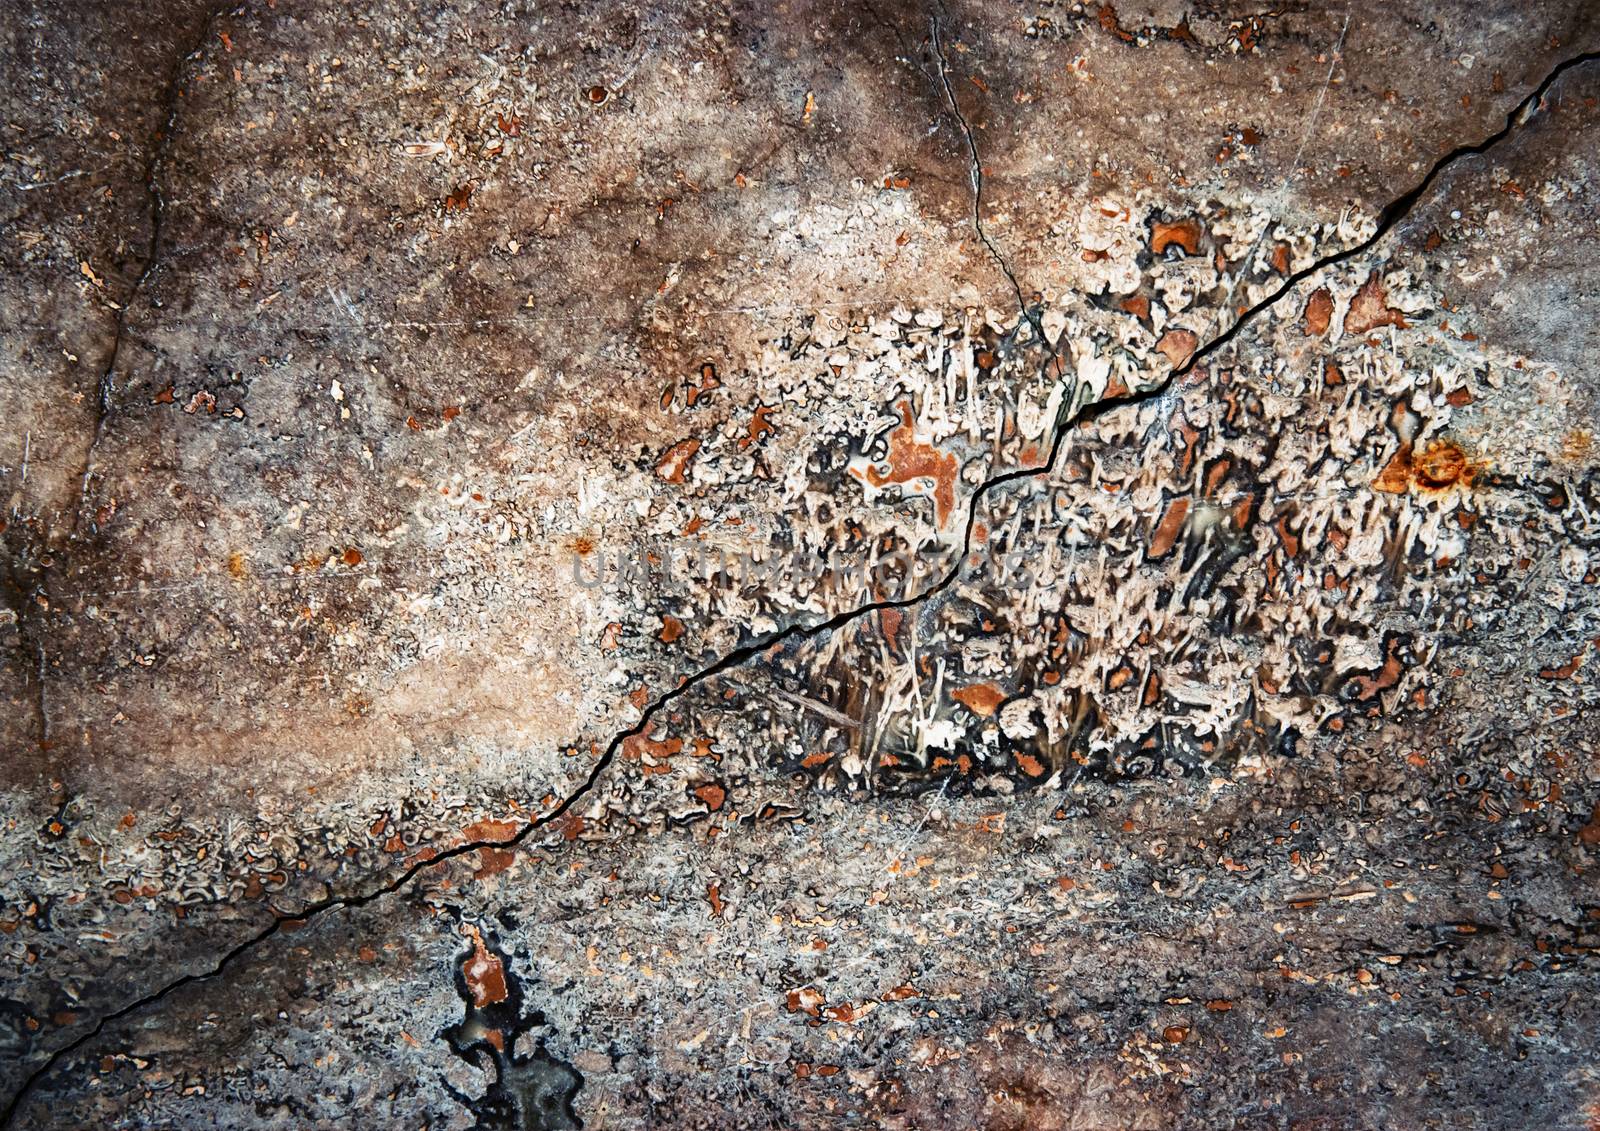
(799, 565)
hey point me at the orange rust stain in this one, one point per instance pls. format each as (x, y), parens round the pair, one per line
(890, 620)
(635, 748)
(491, 829)
(1439, 468)
(484, 972)
(1318, 313)
(714, 897)
(1566, 670)
(981, 698)
(675, 460)
(1138, 306)
(761, 426)
(708, 381)
(1291, 542)
(493, 861)
(1185, 233)
(1590, 833)
(1370, 309)
(1030, 765)
(909, 460)
(1387, 676)
(671, 628)
(581, 544)
(1166, 532)
(712, 794)
(1178, 345)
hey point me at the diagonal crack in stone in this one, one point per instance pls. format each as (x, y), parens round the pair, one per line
(1388, 218)
(154, 170)
(975, 175)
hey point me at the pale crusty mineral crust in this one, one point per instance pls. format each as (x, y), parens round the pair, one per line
(800, 565)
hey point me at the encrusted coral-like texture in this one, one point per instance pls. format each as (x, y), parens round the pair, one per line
(800, 564)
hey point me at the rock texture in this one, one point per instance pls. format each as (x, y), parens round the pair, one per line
(800, 564)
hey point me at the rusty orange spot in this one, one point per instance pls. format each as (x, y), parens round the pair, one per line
(910, 460)
(490, 829)
(1440, 467)
(981, 698)
(761, 426)
(493, 861)
(1178, 345)
(1167, 530)
(1370, 309)
(675, 460)
(485, 974)
(1185, 233)
(1030, 765)
(712, 794)
(1318, 313)
(671, 628)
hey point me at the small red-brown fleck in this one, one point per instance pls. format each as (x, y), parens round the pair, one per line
(1370, 309)
(1440, 467)
(910, 460)
(712, 794)
(714, 897)
(1167, 530)
(1178, 345)
(485, 974)
(671, 628)
(889, 621)
(1318, 313)
(1590, 833)
(1174, 1034)
(352, 557)
(1184, 233)
(1564, 671)
(675, 460)
(805, 1000)
(489, 829)
(761, 427)
(981, 698)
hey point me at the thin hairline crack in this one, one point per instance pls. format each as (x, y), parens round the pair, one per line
(1388, 218)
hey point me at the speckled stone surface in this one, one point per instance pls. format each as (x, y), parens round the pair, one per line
(800, 565)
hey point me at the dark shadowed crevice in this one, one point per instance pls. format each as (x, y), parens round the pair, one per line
(1391, 215)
